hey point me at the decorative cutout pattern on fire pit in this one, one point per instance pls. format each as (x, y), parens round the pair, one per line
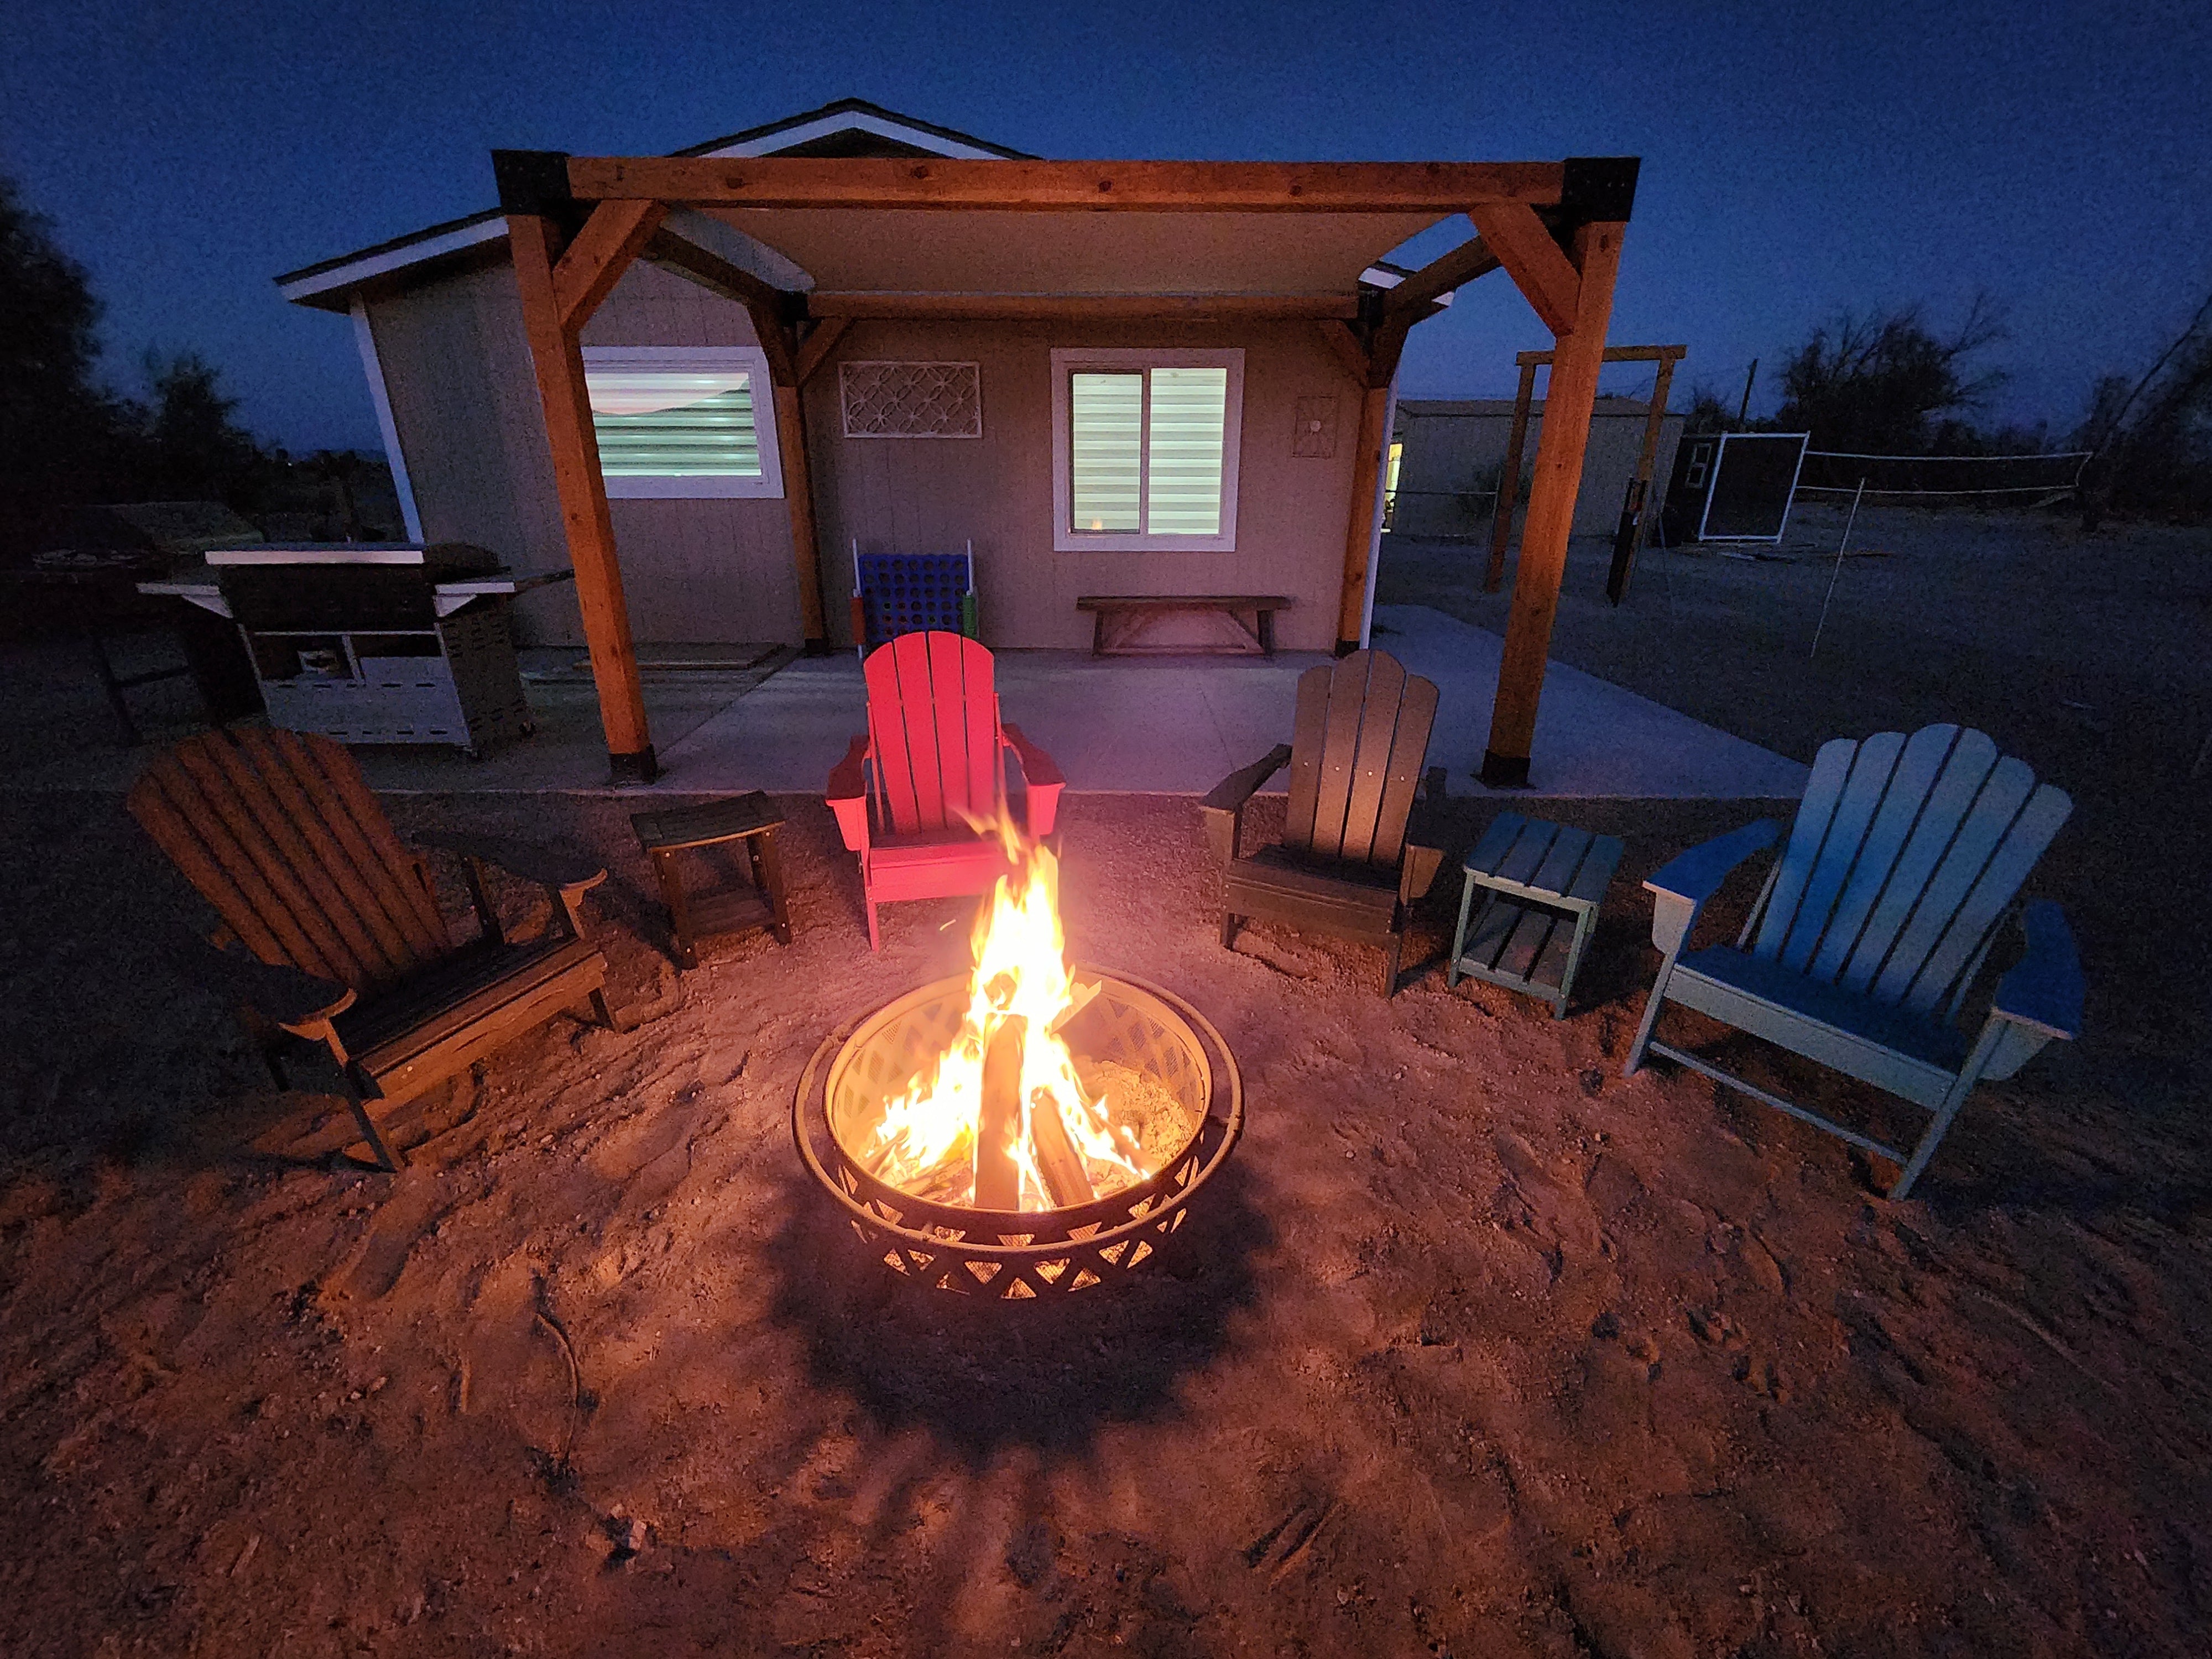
(1018, 1255)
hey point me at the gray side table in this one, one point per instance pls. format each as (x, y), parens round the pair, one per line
(1542, 884)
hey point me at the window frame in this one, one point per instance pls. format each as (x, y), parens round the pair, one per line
(697, 359)
(1068, 361)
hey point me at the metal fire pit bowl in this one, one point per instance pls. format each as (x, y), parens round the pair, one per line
(1016, 1256)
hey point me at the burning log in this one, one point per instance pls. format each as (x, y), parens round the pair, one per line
(998, 1178)
(1058, 1161)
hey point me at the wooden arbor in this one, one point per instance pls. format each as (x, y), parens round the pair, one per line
(1554, 227)
(1508, 481)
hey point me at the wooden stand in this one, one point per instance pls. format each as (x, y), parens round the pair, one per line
(751, 818)
(1543, 884)
(1517, 444)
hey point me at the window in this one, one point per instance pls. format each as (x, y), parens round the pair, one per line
(1144, 450)
(682, 422)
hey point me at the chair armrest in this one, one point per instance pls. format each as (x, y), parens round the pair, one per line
(1680, 887)
(1040, 777)
(1232, 791)
(1417, 871)
(564, 873)
(2044, 988)
(848, 795)
(562, 868)
(1222, 808)
(301, 1002)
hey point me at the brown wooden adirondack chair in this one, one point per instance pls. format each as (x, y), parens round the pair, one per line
(1344, 865)
(349, 947)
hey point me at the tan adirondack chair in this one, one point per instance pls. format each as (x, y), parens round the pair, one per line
(1345, 865)
(348, 949)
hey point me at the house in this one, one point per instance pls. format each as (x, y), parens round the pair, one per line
(1447, 455)
(1110, 378)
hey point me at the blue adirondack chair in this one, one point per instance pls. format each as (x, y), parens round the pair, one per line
(1875, 923)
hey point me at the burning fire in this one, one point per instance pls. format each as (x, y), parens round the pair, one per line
(1001, 1121)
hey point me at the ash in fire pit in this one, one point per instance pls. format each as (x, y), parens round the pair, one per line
(1024, 1129)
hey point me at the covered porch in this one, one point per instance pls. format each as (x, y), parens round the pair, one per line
(1143, 257)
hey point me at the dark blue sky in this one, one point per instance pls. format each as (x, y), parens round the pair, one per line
(1796, 159)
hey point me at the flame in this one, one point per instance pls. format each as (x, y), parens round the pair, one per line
(926, 1142)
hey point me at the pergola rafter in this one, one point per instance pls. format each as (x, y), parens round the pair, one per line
(577, 223)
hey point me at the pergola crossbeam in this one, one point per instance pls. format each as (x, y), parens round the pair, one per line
(595, 262)
(1091, 307)
(1065, 187)
(1546, 276)
(1463, 265)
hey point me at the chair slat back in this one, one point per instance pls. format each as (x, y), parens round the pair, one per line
(1904, 854)
(934, 733)
(1361, 736)
(278, 832)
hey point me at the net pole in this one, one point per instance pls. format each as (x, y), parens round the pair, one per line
(1836, 575)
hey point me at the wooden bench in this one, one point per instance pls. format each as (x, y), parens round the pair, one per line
(1122, 620)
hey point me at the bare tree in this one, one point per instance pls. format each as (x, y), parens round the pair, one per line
(1875, 385)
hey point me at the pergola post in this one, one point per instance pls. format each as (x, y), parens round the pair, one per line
(561, 280)
(798, 500)
(1647, 460)
(1569, 402)
(1508, 480)
(1359, 527)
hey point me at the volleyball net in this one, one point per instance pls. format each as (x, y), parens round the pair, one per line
(1932, 480)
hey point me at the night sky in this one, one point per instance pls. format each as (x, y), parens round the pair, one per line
(1796, 159)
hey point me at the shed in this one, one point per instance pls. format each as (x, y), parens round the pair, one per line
(1450, 453)
(702, 379)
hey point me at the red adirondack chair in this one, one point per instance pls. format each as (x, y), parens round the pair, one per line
(933, 752)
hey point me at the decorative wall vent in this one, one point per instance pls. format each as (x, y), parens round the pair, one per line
(1315, 433)
(912, 400)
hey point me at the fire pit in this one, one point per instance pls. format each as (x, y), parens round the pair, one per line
(1021, 1130)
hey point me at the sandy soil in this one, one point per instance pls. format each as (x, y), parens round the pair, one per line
(1476, 1349)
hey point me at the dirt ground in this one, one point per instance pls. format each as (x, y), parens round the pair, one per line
(1476, 1348)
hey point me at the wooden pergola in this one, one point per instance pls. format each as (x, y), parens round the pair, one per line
(576, 223)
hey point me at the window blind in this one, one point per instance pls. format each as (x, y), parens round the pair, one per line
(1183, 441)
(668, 425)
(1105, 451)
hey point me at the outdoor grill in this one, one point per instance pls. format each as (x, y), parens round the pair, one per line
(375, 641)
(1018, 1255)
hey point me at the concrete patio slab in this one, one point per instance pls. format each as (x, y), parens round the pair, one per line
(1136, 724)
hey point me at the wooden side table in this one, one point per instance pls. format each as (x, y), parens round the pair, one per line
(751, 819)
(1542, 884)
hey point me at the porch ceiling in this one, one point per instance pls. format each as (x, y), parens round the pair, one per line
(924, 252)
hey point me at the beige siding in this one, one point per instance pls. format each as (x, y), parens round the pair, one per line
(464, 405)
(936, 494)
(465, 401)
(1453, 447)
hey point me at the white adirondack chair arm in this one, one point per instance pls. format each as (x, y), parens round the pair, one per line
(1680, 887)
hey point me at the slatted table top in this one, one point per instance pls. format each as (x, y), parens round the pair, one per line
(1554, 862)
(702, 826)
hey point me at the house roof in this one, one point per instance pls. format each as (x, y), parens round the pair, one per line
(850, 126)
(831, 131)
